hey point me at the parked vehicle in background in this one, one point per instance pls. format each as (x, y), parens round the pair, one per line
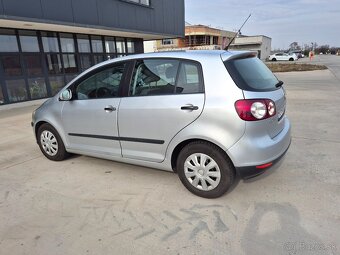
(298, 53)
(281, 56)
(206, 115)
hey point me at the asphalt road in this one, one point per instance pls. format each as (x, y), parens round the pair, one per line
(91, 206)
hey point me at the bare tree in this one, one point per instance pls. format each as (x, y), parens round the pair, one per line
(294, 46)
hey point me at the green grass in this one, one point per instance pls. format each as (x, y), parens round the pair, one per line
(278, 67)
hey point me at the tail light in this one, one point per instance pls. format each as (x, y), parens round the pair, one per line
(255, 109)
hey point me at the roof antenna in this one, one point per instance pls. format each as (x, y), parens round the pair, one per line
(237, 33)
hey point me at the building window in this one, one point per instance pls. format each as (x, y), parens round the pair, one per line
(98, 59)
(85, 62)
(121, 45)
(110, 45)
(8, 41)
(29, 41)
(37, 87)
(67, 43)
(16, 90)
(33, 65)
(167, 41)
(53, 63)
(36, 64)
(2, 100)
(142, 2)
(130, 46)
(70, 77)
(83, 43)
(70, 63)
(215, 40)
(56, 83)
(50, 42)
(97, 44)
(11, 65)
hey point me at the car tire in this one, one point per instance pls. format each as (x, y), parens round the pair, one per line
(274, 59)
(50, 143)
(197, 177)
(291, 59)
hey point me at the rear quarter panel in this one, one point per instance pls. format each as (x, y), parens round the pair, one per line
(218, 122)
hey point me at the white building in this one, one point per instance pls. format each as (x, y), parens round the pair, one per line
(259, 43)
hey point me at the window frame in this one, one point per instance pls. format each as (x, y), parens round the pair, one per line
(181, 60)
(76, 83)
(168, 41)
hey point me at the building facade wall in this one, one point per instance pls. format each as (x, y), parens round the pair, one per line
(161, 17)
(261, 44)
(37, 64)
(46, 43)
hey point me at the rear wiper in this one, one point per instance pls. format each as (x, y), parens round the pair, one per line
(279, 84)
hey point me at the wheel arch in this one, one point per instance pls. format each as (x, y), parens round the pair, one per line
(37, 126)
(42, 122)
(181, 145)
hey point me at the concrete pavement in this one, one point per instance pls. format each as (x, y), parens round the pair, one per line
(91, 206)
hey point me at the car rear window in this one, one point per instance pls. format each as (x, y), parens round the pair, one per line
(251, 74)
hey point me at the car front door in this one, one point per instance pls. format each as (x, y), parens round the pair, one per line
(165, 95)
(279, 56)
(90, 118)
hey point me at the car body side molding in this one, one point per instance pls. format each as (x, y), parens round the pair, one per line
(116, 138)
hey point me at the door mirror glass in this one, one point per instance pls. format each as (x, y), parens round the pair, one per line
(66, 95)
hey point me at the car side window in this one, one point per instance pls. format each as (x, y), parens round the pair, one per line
(189, 81)
(154, 77)
(104, 84)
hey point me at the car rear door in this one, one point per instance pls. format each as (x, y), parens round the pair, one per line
(90, 118)
(165, 96)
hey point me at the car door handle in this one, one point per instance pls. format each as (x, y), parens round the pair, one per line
(189, 107)
(110, 108)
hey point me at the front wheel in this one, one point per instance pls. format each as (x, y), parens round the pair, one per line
(291, 59)
(274, 59)
(51, 144)
(205, 170)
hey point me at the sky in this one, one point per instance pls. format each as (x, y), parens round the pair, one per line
(285, 21)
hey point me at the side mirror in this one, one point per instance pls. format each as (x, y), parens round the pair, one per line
(66, 95)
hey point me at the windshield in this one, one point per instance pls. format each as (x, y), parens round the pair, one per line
(251, 74)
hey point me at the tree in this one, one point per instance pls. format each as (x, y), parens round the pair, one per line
(323, 49)
(294, 46)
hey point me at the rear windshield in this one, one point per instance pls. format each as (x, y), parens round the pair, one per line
(251, 74)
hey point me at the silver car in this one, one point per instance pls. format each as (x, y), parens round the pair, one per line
(206, 115)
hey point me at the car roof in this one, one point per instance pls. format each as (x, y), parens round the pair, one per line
(196, 55)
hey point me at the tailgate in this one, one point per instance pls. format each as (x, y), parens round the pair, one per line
(275, 124)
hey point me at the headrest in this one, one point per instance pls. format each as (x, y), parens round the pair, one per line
(171, 72)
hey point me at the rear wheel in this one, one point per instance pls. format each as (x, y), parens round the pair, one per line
(291, 59)
(274, 59)
(205, 170)
(50, 143)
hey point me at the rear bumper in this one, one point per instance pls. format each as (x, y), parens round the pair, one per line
(248, 172)
(256, 151)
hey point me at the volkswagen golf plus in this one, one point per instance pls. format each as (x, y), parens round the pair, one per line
(206, 115)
